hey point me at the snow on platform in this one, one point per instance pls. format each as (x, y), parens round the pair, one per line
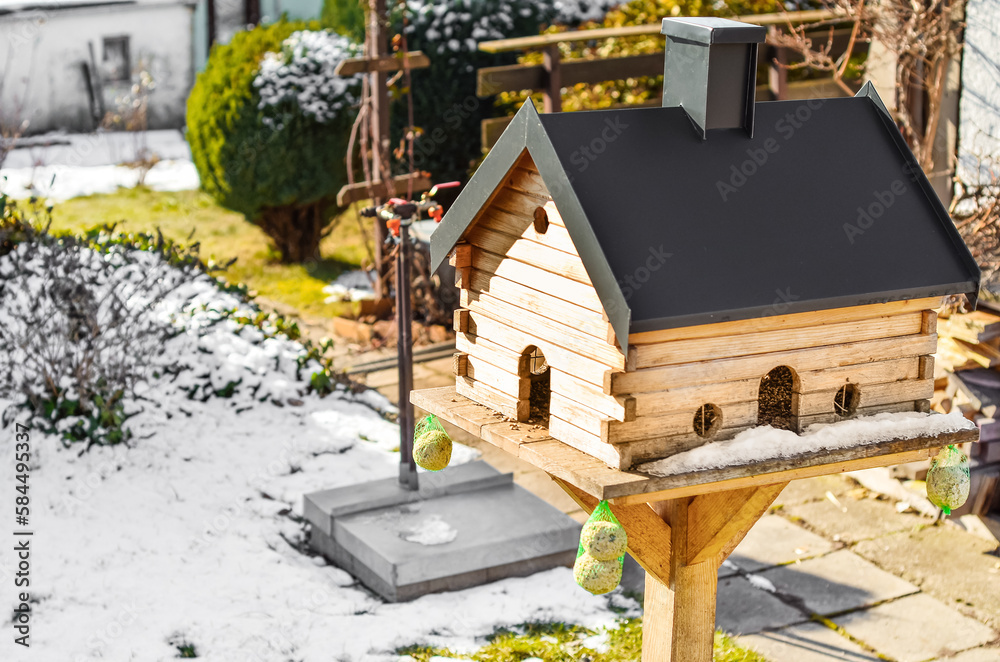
(766, 443)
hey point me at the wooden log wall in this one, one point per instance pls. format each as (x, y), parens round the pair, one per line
(522, 284)
(884, 350)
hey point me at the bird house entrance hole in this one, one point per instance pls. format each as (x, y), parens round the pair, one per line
(535, 368)
(774, 400)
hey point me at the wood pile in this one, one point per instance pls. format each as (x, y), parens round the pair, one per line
(967, 378)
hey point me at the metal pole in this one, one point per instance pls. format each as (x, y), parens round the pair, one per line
(404, 345)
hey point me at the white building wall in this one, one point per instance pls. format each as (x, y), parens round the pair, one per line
(979, 131)
(44, 66)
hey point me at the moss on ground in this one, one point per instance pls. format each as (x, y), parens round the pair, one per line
(559, 642)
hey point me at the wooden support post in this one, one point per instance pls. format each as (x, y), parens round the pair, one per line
(681, 543)
(553, 80)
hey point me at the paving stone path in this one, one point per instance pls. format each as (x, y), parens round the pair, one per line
(833, 572)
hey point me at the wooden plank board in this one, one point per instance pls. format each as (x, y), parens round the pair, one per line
(658, 403)
(870, 395)
(555, 236)
(498, 378)
(740, 414)
(617, 457)
(386, 63)
(791, 321)
(489, 351)
(538, 279)
(511, 435)
(586, 394)
(756, 366)
(496, 400)
(878, 372)
(519, 202)
(975, 327)
(587, 321)
(555, 332)
(594, 477)
(582, 417)
(526, 178)
(349, 193)
(591, 371)
(764, 342)
(983, 354)
(529, 252)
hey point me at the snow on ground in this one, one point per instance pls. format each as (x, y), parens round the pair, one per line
(61, 166)
(186, 535)
(354, 285)
(767, 443)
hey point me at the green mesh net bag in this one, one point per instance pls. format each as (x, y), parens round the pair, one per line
(431, 444)
(948, 479)
(599, 558)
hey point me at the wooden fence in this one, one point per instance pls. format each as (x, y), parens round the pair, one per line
(555, 74)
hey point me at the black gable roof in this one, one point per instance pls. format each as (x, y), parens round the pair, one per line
(823, 208)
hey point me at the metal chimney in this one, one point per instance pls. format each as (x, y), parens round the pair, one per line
(710, 70)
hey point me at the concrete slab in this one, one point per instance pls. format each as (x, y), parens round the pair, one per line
(808, 642)
(975, 655)
(450, 542)
(954, 566)
(775, 541)
(727, 569)
(837, 582)
(320, 508)
(915, 629)
(855, 519)
(742, 609)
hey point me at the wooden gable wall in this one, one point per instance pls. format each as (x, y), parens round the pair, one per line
(521, 287)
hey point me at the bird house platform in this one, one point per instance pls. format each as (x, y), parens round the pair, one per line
(680, 527)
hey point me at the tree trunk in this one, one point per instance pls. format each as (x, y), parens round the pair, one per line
(295, 230)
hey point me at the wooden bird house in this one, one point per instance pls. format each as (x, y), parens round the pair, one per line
(639, 286)
(649, 280)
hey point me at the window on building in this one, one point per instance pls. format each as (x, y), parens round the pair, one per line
(115, 60)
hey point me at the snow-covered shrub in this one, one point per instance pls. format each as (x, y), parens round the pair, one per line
(89, 325)
(300, 79)
(270, 144)
(77, 333)
(444, 95)
(575, 12)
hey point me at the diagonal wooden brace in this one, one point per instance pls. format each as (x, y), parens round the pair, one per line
(719, 521)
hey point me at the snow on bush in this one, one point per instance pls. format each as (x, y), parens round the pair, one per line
(77, 333)
(447, 29)
(302, 74)
(88, 330)
(574, 12)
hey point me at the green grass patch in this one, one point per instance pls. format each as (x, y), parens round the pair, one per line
(224, 235)
(559, 642)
